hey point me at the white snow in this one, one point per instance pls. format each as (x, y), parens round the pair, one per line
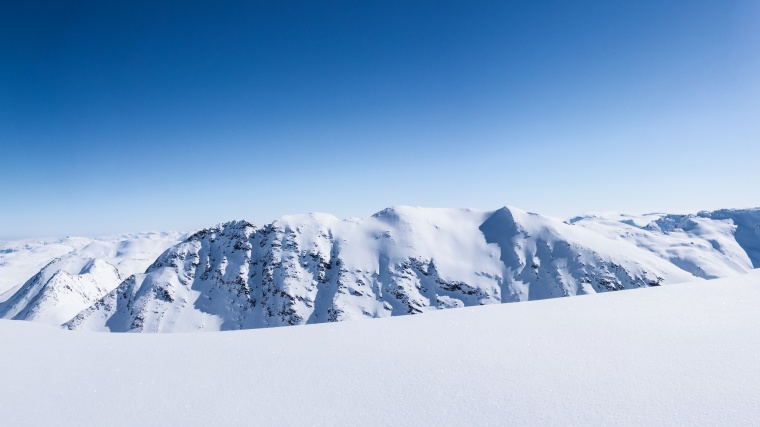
(683, 354)
(702, 246)
(85, 270)
(21, 259)
(316, 268)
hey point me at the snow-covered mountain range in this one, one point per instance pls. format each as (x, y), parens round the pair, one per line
(317, 268)
(80, 272)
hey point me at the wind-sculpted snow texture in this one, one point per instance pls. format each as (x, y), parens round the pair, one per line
(75, 280)
(315, 268)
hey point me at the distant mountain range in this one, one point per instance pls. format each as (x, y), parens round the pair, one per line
(71, 273)
(317, 268)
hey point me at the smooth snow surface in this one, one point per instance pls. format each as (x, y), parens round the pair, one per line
(674, 355)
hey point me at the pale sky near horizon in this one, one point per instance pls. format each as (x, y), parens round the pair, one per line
(133, 116)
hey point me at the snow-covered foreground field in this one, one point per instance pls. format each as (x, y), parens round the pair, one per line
(684, 354)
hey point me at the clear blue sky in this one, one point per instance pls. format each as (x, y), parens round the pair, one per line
(129, 116)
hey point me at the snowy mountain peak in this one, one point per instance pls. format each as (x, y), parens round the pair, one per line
(403, 260)
(75, 280)
(315, 268)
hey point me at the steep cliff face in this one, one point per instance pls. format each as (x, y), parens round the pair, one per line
(316, 268)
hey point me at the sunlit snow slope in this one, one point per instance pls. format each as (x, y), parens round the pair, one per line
(73, 280)
(673, 355)
(316, 268)
(22, 259)
(709, 244)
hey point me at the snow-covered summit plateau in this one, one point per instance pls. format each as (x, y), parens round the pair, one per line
(316, 268)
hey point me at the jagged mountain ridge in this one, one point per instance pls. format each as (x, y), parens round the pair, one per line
(76, 279)
(22, 259)
(315, 268)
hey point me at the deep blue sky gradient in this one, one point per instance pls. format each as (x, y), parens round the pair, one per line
(128, 116)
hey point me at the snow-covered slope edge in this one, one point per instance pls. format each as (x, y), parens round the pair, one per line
(316, 268)
(22, 259)
(73, 281)
(673, 355)
(708, 244)
(747, 232)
